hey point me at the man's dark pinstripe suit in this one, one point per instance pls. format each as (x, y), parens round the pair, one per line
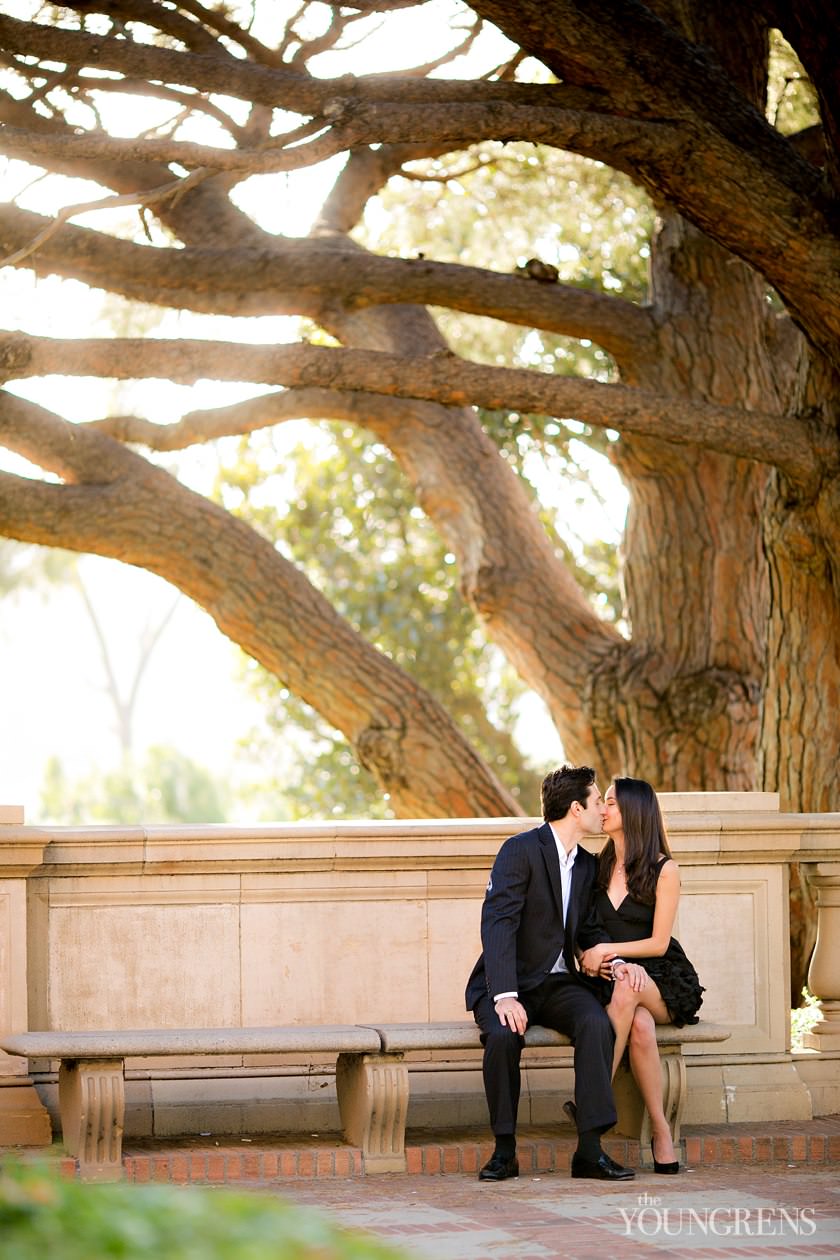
(522, 935)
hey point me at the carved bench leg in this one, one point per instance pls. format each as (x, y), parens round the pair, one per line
(91, 1097)
(373, 1100)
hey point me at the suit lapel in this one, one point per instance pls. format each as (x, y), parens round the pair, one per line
(576, 894)
(552, 862)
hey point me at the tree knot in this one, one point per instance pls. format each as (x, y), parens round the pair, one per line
(379, 751)
(15, 355)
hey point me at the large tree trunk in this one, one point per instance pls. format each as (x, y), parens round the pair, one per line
(683, 701)
(802, 543)
(799, 739)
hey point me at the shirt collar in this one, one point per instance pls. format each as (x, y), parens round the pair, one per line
(567, 861)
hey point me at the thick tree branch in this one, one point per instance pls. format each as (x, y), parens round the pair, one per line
(279, 87)
(723, 166)
(444, 379)
(351, 125)
(308, 277)
(736, 177)
(192, 34)
(122, 506)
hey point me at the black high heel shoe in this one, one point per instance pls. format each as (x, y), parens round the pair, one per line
(665, 1169)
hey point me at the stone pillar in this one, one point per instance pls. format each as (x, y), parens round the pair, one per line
(824, 971)
(23, 1118)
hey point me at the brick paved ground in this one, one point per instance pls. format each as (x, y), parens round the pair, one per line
(705, 1214)
(752, 1190)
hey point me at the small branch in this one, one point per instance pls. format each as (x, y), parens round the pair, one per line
(459, 50)
(195, 102)
(153, 196)
(506, 72)
(308, 48)
(422, 177)
(374, 6)
(239, 419)
(217, 21)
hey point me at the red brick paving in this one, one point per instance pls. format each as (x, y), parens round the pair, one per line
(807, 1144)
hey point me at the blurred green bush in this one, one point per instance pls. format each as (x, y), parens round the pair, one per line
(43, 1217)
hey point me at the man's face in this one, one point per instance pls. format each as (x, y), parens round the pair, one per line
(592, 817)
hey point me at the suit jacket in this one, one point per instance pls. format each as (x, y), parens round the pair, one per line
(522, 930)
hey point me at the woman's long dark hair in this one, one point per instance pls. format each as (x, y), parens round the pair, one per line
(644, 840)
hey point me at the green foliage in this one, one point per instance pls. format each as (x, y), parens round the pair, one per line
(41, 1215)
(25, 567)
(349, 522)
(166, 787)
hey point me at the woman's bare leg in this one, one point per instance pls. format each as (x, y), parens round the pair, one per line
(645, 1066)
(622, 1009)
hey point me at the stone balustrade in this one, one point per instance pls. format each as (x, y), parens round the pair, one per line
(359, 922)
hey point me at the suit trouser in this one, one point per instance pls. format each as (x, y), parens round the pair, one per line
(563, 1003)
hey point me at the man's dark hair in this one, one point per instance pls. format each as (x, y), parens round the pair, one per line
(561, 787)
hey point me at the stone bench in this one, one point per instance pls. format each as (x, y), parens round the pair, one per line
(372, 1078)
(91, 1079)
(374, 1091)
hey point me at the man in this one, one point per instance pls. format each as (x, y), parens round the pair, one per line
(535, 919)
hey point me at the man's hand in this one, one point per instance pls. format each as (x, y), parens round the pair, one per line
(595, 960)
(511, 1012)
(632, 974)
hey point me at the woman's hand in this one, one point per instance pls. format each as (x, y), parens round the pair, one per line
(632, 974)
(594, 960)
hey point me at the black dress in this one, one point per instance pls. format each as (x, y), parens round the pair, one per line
(673, 974)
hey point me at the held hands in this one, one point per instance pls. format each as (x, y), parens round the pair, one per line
(511, 1012)
(597, 960)
(632, 974)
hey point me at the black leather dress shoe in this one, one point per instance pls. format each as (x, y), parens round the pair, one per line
(498, 1168)
(602, 1169)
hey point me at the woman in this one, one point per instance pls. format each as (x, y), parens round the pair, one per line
(638, 889)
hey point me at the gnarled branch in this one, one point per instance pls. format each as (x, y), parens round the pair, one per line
(444, 378)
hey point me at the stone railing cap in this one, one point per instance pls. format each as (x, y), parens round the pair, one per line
(718, 802)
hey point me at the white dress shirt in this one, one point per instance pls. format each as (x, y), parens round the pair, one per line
(567, 861)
